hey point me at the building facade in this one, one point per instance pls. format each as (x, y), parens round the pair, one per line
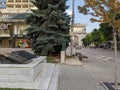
(12, 21)
(79, 32)
(16, 6)
(12, 29)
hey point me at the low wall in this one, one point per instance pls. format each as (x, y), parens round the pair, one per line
(21, 73)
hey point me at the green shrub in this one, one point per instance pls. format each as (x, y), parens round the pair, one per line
(51, 60)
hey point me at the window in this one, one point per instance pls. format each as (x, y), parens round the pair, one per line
(25, 0)
(9, 6)
(18, 0)
(25, 6)
(10, 0)
(3, 26)
(18, 6)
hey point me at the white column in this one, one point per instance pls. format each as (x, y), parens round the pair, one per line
(15, 29)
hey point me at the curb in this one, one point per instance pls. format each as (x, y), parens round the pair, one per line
(103, 85)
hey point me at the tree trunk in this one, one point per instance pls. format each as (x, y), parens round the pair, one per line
(116, 59)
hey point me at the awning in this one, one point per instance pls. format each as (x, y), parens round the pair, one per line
(4, 35)
(14, 17)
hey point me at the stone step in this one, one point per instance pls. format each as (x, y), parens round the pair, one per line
(42, 82)
(55, 77)
(46, 77)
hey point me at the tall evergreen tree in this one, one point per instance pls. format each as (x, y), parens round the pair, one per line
(49, 26)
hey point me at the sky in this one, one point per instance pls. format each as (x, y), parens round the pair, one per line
(79, 17)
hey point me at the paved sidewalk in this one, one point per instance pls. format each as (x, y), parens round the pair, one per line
(76, 78)
(73, 61)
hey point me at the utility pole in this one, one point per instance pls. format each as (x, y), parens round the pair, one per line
(72, 26)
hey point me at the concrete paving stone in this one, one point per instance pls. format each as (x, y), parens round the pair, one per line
(73, 61)
(76, 78)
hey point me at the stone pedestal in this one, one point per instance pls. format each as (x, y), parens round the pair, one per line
(62, 57)
(22, 75)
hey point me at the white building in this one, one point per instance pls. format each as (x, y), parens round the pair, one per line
(79, 32)
(12, 21)
(17, 6)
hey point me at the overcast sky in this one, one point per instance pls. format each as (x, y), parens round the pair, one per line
(80, 18)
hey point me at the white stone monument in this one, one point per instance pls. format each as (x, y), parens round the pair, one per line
(35, 75)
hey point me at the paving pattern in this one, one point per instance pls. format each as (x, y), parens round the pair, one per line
(101, 64)
(76, 78)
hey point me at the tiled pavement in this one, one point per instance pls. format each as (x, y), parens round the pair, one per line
(73, 61)
(76, 78)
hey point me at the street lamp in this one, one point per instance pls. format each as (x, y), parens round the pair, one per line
(72, 26)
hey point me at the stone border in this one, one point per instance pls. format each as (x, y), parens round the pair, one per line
(108, 85)
(33, 63)
(24, 75)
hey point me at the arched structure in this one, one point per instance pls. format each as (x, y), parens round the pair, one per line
(76, 40)
(79, 32)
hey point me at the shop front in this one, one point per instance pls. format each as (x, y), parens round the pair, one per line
(4, 42)
(20, 41)
(13, 30)
(4, 35)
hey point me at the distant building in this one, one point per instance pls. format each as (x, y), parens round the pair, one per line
(12, 26)
(79, 32)
(12, 21)
(2, 4)
(16, 6)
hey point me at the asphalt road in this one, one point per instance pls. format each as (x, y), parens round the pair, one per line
(101, 63)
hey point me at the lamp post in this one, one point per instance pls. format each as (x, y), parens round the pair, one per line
(72, 26)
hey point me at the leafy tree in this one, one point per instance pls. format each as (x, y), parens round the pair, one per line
(49, 26)
(106, 11)
(96, 36)
(106, 30)
(118, 31)
(117, 16)
(87, 40)
(103, 37)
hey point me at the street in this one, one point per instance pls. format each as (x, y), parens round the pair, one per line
(99, 66)
(100, 63)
